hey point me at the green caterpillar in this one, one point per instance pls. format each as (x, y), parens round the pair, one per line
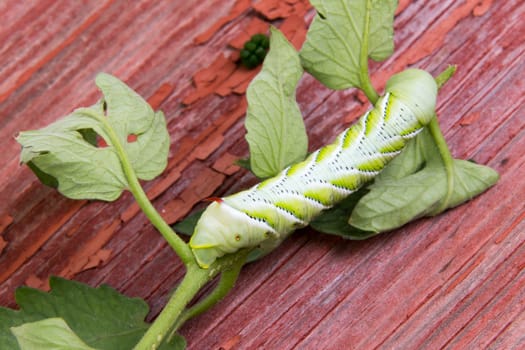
(264, 215)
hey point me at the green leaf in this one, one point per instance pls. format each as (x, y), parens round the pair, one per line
(177, 342)
(335, 220)
(381, 32)
(243, 163)
(338, 34)
(419, 152)
(67, 151)
(470, 180)
(393, 203)
(44, 178)
(89, 135)
(187, 226)
(48, 334)
(275, 130)
(415, 184)
(101, 317)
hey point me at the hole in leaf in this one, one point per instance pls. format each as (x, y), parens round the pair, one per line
(101, 143)
(90, 136)
(132, 138)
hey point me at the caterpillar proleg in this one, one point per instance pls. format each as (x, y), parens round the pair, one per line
(264, 215)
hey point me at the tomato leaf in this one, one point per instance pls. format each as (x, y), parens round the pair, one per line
(418, 153)
(415, 184)
(101, 317)
(393, 203)
(187, 226)
(470, 180)
(48, 334)
(65, 153)
(335, 220)
(276, 133)
(337, 35)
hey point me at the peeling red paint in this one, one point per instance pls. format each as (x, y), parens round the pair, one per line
(482, 8)
(160, 95)
(226, 164)
(469, 118)
(3, 244)
(34, 282)
(203, 186)
(275, 9)
(91, 254)
(238, 8)
(224, 76)
(255, 26)
(5, 221)
(207, 80)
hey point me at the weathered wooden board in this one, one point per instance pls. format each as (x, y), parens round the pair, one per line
(454, 281)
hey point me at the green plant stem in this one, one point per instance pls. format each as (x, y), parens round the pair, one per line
(448, 161)
(364, 77)
(192, 282)
(226, 283)
(441, 143)
(175, 242)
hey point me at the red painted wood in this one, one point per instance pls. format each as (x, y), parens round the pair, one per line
(455, 281)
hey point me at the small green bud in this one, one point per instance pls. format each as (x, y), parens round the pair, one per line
(254, 51)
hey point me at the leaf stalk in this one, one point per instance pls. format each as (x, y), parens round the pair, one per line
(364, 76)
(194, 279)
(226, 283)
(448, 161)
(173, 316)
(441, 143)
(175, 242)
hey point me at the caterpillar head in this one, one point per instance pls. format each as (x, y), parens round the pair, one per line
(418, 90)
(221, 230)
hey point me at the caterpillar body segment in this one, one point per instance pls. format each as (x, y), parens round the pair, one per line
(264, 215)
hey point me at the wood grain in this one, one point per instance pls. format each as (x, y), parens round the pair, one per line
(455, 281)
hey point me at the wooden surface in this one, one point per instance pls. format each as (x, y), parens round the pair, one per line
(455, 281)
